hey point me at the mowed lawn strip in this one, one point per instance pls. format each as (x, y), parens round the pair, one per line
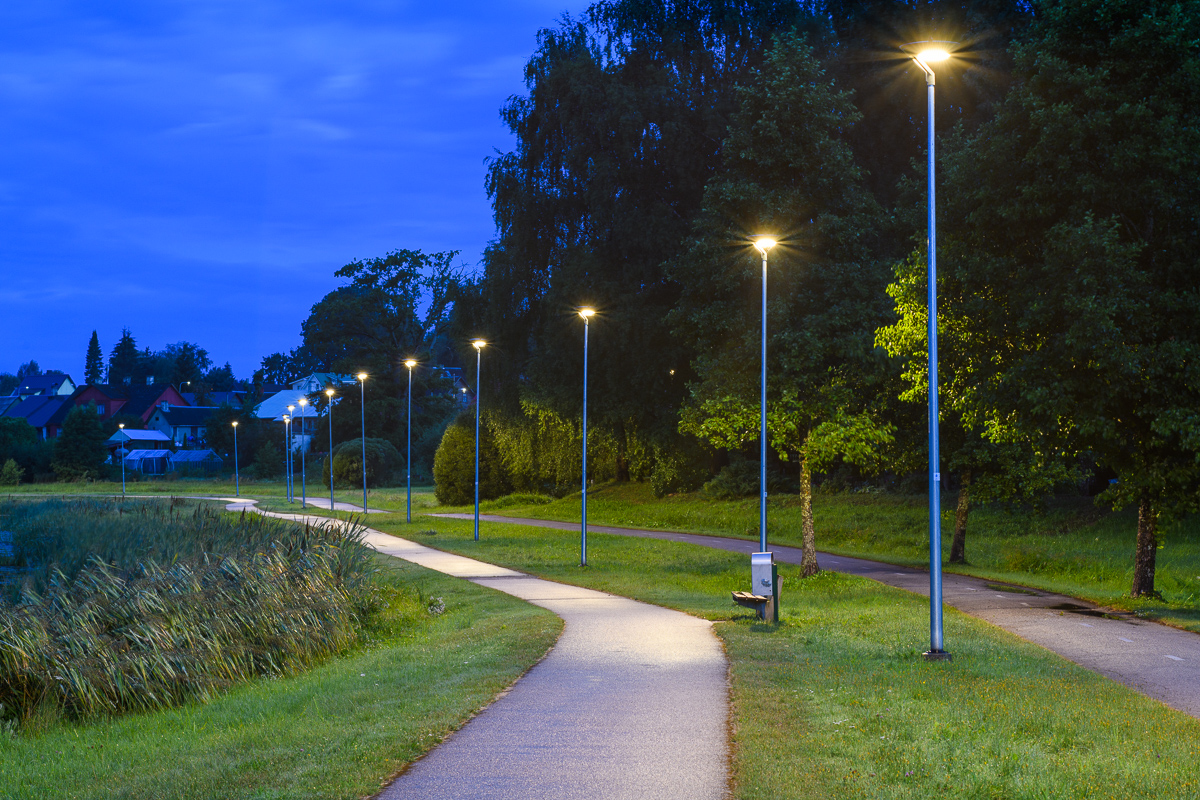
(1071, 547)
(836, 700)
(337, 731)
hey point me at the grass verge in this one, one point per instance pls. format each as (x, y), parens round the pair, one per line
(836, 702)
(1070, 547)
(337, 731)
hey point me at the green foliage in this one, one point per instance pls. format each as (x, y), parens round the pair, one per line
(20, 441)
(10, 474)
(454, 465)
(93, 370)
(682, 468)
(79, 451)
(192, 604)
(268, 461)
(382, 462)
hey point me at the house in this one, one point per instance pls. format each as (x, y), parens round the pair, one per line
(320, 381)
(51, 383)
(187, 426)
(135, 401)
(46, 413)
(304, 418)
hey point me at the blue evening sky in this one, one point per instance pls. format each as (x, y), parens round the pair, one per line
(196, 170)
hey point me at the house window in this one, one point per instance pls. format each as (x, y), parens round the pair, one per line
(100, 409)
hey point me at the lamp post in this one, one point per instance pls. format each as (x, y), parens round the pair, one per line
(478, 344)
(287, 440)
(329, 421)
(410, 363)
(303, 446)
(237, 482)
(362, 392)
(763, 244)
(924, 54)
(586, 313)
(291, 485)
(121, 425)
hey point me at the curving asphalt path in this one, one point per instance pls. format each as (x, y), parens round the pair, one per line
(1158, 661)
(631, 703)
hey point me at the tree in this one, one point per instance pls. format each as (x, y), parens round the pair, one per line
(221, 378)
(188, 362)
(93, 371)
(1073, 256)
(123, 361)
(8, 383)
(79, 451)
(620, 130)
(787, 171)
(29, 369)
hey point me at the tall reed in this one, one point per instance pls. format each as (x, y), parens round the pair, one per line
(140, 607)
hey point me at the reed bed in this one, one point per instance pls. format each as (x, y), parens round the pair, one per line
(137, 607)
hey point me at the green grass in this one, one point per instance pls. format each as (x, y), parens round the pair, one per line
(836, 700)
(1071, 547)
(338, 731)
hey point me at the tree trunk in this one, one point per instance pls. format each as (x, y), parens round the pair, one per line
(1147, 549)
(622, 454)
(808, 561)
(958, 547)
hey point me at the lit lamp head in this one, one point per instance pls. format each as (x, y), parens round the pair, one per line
(586, 312)
(329, 393)
(479, 344)
(303, 402)
(410, 363)
(763, 243)
(286, 419)
(929, 52)
(291, 409)
(362, 376)
(121, 425)
(235, 424)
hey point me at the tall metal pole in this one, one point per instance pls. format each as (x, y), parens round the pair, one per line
(478, 354)
(329, 421)
(126, 449)
(303, 447)
(935, 477)
(362, 385)
(408, 457)
(923, 52)
(762, 450)
(287, 486)
(583, 518)
(237, 482)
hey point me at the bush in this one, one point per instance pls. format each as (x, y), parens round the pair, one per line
(268, 461)
(145, 610)
(79, 451)
(383, 459)
(11, 473)
(677, 471)
(741, 479)
(454, 465)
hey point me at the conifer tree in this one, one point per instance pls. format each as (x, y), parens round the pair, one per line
(93, 370)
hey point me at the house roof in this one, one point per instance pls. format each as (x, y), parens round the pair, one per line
(275, 406)
(125, 435)
(217, 398)
(41, 410)
(138, 454)
(43, 384)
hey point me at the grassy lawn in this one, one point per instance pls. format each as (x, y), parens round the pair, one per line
(337, 731)
(836, 702)
(1071, 547)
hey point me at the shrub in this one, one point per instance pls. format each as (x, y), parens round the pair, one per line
(178, 606)
(79, 451)
(454, 465)
(383, 459)
(268, 461)
(11, 473)
(677, 471)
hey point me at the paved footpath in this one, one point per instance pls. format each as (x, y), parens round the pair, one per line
(631, 703)
(1161, 662)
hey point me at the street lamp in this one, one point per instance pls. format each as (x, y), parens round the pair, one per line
(362, 392)
(586, 313)
(237, 482)
(410, 363)
(924, 54)
(291, 486)
(478, 344)
(287, 440)
(329, 421)
(303, 446)
(121, 426)
(763, 244)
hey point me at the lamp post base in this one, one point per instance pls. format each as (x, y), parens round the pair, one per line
(937, 655)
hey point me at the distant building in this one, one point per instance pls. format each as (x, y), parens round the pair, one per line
(187, 426)
(135, 401)
(51, 383)
(46, 413)
(131, 440)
